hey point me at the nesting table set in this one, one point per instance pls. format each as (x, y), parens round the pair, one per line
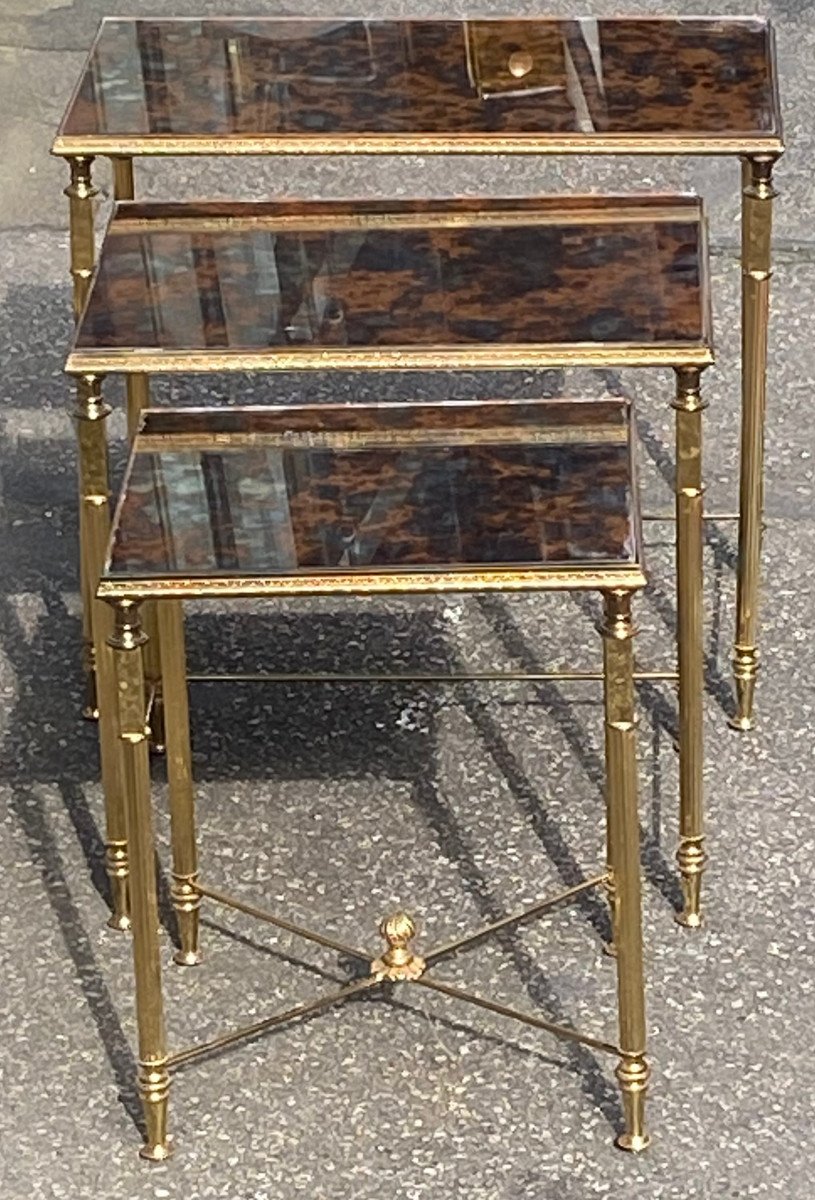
(412, 498)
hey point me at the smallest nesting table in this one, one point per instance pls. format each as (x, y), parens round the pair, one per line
(512, 496)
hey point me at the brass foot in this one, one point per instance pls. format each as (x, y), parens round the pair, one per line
(633, 1074)
(398, 962)
(117, 868)
(687, 918)
(634, 1144)
(691, 858)
(157, 1151)
(188, 958)
(154, 1090)
(745, 669)
(187, 903)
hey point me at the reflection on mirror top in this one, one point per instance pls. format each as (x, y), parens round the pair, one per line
(291, 281)
(347, 80)
(376, 489)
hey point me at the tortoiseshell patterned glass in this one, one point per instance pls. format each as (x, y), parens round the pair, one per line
(232, 78)
(555, 272)
(222, 493)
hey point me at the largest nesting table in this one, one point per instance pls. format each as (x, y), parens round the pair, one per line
(579, 281)
(689, 86)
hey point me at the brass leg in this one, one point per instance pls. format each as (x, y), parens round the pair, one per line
(621, 768)
(138, 398)
(123, 185)
(91, 413)
(81, 192)
(689, 534)
(152, 674)
(90, 703)
(756, 232)
(138, 391)
(610, 948)
(153, 1076)
(186, 897)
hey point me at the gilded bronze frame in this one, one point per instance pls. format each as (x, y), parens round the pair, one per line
(397, 963)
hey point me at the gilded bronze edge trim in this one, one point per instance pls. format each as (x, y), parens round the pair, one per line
(609, 578)
(168, 145)
(339, 439)
(430, 358)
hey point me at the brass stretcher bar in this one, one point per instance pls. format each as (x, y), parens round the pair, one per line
(308, 1008)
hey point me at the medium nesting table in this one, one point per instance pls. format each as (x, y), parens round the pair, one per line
(450, 285)
(662, 86)
(364, 500)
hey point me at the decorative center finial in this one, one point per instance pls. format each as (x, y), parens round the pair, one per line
(398, 962)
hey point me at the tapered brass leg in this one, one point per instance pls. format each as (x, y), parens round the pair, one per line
(138, 390)
(152, 673)
(689, 537)
(610, 947)
(90, 703)
(138, 398)
(611, 831)
(153, 1077)
(123, 184)
(756, 232)
(186, 897)
(94, 499)
(621, 769)
(81, 192)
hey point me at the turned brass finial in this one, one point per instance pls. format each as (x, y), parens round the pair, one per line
(398, 961)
